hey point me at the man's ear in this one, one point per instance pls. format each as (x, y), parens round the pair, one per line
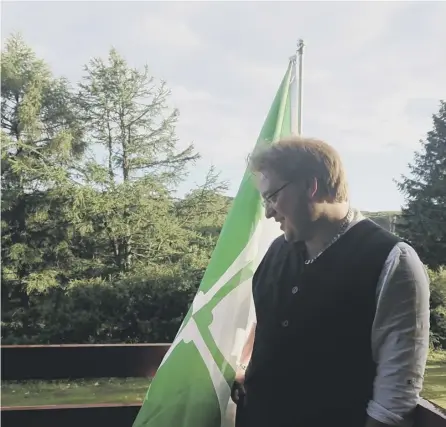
(312, 187)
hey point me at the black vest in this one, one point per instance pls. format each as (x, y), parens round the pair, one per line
(312, 355)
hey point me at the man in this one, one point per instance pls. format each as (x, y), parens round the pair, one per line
(342, 305)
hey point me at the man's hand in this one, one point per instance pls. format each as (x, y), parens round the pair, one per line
(238, 388)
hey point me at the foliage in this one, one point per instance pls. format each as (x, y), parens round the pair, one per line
(95, 247)
(438, 308)
(41, 143)
(130, 309)
(423, 219)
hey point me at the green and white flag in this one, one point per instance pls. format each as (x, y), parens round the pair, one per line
(193, 383)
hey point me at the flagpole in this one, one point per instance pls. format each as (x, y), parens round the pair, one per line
(300, 55)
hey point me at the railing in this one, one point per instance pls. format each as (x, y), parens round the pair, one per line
(103, 361)
(50, 362)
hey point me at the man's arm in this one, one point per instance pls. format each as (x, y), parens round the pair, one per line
(242, 364)
(400, 338)
(247, 350)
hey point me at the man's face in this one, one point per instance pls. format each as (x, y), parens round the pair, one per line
(288, 203)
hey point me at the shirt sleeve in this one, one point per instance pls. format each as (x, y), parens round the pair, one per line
(400, 336)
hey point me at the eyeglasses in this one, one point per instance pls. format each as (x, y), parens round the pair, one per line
(271, 198)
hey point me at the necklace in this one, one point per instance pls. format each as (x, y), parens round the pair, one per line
(342, 228)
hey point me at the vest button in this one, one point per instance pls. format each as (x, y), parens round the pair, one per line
(294, 290)
(285, 323)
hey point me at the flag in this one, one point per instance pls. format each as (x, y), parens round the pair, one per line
(193, 383)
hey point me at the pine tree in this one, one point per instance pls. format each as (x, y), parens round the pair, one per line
(423, 219)
(41, 142)
(96, 250)
(127, 198)
(41, 139)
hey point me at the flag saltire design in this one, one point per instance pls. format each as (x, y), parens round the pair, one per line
(192, 385)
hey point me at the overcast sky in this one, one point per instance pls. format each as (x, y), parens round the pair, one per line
(374, 72)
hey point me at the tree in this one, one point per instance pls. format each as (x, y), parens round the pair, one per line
(127, 201)
(438, 308)
(40, 130)
(128, 112)
(41, 138)
(97, 250)
(41, 141)
(423, 218)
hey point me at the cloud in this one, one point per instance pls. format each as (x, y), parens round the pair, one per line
(359, 24)
(373, 71)
(418, 108)
(168, 27)
(359, 77)
(167, 31)
(343, 98)
(207, 120)
(222, 137)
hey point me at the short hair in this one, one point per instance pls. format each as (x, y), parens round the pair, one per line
(296, 159)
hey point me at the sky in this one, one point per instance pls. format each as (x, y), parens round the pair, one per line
(374, 73)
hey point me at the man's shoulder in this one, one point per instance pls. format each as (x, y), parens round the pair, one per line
(277, 243)
(367, 233)
(405, 253)
(275, 254)
(280, 247)
(404, 275)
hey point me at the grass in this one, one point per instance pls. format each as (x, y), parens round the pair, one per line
(131, 390)
(435, 379)
(103, 390)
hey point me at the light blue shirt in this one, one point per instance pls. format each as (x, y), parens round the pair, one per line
(400, 335)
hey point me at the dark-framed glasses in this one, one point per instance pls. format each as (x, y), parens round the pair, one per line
(271, 198)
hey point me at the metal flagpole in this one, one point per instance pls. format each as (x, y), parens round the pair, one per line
(300, 55)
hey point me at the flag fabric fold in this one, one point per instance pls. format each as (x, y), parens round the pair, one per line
(193, 383)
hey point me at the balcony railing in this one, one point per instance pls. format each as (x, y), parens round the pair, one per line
(103, 361)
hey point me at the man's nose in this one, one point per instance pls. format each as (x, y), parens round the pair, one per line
(269, 211)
